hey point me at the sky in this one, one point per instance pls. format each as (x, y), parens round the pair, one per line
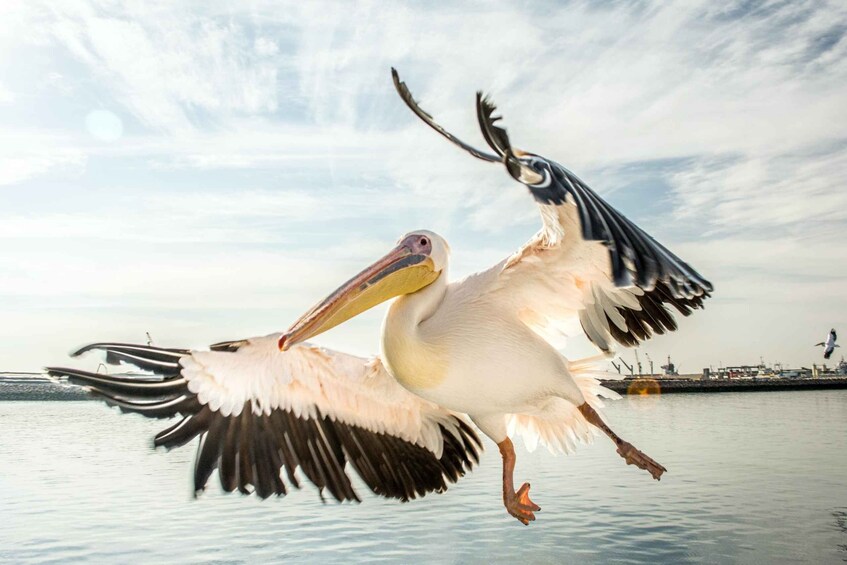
(204, 172)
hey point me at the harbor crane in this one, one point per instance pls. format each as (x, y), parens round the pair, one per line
(628, 366)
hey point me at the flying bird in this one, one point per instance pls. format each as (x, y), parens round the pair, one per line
(829, 345)
(478, 350)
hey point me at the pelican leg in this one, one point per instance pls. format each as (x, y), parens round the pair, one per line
(631, 455)
(517, 503)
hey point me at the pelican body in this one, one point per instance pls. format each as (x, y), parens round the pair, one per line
(454, 344)
(483, 348)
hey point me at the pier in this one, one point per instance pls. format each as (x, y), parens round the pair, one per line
(649, 385)
(36, 387)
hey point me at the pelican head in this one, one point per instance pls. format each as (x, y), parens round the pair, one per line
(417, 261)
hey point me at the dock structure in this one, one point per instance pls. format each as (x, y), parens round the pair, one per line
(648, 386)
(34, 386)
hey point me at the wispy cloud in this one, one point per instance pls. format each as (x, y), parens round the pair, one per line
(801, 193)
(31, 152)
(18, 168)
(6, 95)
(171, 76)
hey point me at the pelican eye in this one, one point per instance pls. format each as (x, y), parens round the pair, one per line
(424, 241)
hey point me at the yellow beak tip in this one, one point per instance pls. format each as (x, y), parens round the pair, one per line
(284, 344)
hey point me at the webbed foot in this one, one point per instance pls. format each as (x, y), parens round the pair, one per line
(633, 456)
(520, 506)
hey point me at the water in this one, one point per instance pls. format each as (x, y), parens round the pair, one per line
(753, 478)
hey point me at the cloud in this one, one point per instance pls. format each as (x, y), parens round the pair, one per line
(255, 135)
(265, 47)
(6, 95)
(800, 192)
(166, 74)
(16, 168)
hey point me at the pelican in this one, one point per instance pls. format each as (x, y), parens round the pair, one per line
(829, 345)
(478, 350)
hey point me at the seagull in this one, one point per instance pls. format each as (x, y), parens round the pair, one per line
(829, 345)
(480, 350)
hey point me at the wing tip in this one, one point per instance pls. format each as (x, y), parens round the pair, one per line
(81, 350)
(398, 84)
(495, 136)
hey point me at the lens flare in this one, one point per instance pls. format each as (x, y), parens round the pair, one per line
(104, 125)
(644, 387)
(643, 394)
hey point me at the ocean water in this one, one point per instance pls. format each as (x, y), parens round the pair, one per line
(752, 478)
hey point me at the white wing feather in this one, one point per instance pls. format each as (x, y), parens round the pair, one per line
(305, 380)
(557, 276)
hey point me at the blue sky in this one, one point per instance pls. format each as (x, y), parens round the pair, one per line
(207, 172)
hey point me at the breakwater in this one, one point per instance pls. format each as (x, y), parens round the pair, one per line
(44, 389)
(646, 385)
(37, 388)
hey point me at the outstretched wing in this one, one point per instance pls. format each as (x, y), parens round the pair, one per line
(588, 259)
(259, 412)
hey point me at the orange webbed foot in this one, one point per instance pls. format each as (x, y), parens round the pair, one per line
(520, 506)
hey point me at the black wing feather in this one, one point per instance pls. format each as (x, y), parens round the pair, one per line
(159, 360)
(495, 136)
(229, 456)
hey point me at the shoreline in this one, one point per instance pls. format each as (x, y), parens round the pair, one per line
(40, 390)
(37, 389)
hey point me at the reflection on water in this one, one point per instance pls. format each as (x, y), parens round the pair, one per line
(755, 477)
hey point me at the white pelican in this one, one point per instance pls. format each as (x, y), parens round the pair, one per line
(477, 347)
(829, 345)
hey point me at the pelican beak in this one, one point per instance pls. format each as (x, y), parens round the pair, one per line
(401, 271)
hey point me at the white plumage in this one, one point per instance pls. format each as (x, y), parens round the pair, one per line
(557, 424)
(557, 276)
(310, 380)
(464, 345)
